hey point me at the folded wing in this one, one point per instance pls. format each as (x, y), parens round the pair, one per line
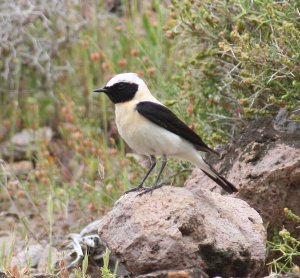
(165, 118)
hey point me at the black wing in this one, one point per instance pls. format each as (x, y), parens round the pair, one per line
(165, 118)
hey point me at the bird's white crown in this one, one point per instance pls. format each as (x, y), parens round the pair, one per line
(128, 77)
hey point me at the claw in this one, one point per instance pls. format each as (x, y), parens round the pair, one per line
(140, 187)
(151, 189)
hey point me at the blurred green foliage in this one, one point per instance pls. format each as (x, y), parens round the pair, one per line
(239, 59)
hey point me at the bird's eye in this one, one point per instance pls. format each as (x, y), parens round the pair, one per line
(121, 85)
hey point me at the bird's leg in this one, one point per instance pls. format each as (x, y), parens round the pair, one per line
(140, 186)
(157, 185)
(163, 165)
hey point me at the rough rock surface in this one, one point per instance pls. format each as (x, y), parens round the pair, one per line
(283, 123)
(265, 165)
(176, 229)
(25, 143)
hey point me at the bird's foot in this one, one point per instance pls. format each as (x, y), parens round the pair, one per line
(140, 187)
(150, 189)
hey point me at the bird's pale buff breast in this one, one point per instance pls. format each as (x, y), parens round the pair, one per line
(143, 136)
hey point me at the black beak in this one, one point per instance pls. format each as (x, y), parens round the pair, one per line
(101, 90)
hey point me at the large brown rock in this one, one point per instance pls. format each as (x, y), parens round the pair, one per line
(175, 228)
(264, 163)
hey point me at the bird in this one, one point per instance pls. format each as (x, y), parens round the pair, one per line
(152, 129)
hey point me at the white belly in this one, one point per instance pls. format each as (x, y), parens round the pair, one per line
(145, 137)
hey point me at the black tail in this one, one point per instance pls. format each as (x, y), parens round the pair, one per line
(225, 184)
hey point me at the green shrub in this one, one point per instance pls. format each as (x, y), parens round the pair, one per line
(239, 58)
(285, 249)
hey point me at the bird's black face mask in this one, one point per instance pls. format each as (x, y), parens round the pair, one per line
(120, 92)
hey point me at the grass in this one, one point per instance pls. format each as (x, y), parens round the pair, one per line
(105, 271)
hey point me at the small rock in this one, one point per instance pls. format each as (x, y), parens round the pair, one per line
(188, 273)
(174, 228)
(38, 256)
(32, 253)
(283, 123)
(25, 143)
(21, 168)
